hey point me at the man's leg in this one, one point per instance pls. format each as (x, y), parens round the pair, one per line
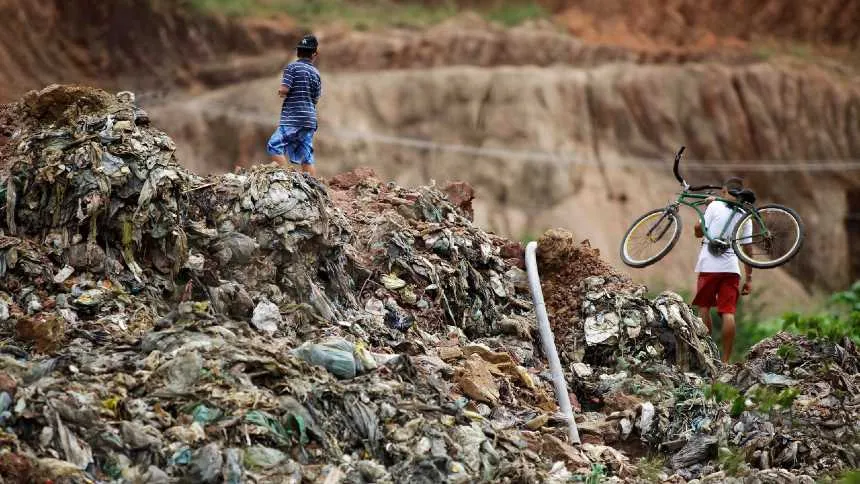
(276, 148)
(728, 335)
(727, 301)
(307, 154)
(705, 314)
(281, 160)
(705, 298)
(309, 169)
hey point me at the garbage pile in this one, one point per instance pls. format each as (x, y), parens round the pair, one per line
(239, 328)
(794, 405)
(262, 326)
(637, 366)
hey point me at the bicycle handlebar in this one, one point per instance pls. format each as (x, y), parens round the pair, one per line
(704, 187)
(681, 179)
(675, 168)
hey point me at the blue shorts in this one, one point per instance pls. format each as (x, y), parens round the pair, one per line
(295, 142)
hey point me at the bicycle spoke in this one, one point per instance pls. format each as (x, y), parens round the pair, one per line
(650, 236)
(772, 239)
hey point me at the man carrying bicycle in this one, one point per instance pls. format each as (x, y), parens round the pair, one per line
(719, 268)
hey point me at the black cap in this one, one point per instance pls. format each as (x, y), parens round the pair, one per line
(308, 42)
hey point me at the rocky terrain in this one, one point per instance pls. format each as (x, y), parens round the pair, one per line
(262, 326)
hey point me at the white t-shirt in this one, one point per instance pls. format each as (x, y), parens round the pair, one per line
(715, 219)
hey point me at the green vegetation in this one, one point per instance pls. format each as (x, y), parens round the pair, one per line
(731, 460)
(515, 13)
(763, 399)
(722, 392)
(597, 475)
(648, 468)
(839, 318)
(358, 15)
(850, 477)
(527, 237)
(368, 14)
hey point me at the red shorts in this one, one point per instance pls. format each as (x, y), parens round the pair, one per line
(720, 289)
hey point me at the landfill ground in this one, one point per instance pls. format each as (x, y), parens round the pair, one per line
(265, 326)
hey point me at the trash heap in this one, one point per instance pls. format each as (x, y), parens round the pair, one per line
(262, 326)
(247, 326)
(637, 366)
(794, 405)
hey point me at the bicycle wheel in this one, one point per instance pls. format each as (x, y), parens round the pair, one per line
(650, 237)
(773, 241)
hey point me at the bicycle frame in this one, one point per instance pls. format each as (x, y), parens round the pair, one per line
(696, 200)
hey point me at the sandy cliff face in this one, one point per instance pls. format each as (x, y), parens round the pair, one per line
(152, 46)
(468, 39)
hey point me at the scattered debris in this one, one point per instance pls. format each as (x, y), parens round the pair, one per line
(796, 405)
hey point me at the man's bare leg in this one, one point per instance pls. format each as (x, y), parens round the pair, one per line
(728, 335)
(705, 314)
(281, 160)
(309, 169)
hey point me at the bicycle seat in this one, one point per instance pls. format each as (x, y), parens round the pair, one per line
(746, 195)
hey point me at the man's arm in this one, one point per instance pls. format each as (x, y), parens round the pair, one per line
(747, 275)
(317, 91)
(286, 82)
(746, 233)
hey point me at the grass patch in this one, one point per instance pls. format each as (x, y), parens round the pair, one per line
(363, 15)
(650, 467)
(527, 237)
(511, 14)
(366, 14)
(731, 461)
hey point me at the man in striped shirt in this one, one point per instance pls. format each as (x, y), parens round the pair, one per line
(301, 88)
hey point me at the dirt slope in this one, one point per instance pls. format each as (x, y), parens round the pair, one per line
(135, 44)
(703, 23)
(468, 39)
(147, 45)
(699, 22)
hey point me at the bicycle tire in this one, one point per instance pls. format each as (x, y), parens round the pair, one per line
(676, 219)
(782, 260)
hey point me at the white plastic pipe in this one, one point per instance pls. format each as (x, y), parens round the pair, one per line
(548, 340)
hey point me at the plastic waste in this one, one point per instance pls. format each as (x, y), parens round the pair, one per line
(266, 317)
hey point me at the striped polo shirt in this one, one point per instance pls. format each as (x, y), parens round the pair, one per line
(305, 87)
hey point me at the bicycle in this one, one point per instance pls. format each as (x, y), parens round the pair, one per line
(660, 221)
